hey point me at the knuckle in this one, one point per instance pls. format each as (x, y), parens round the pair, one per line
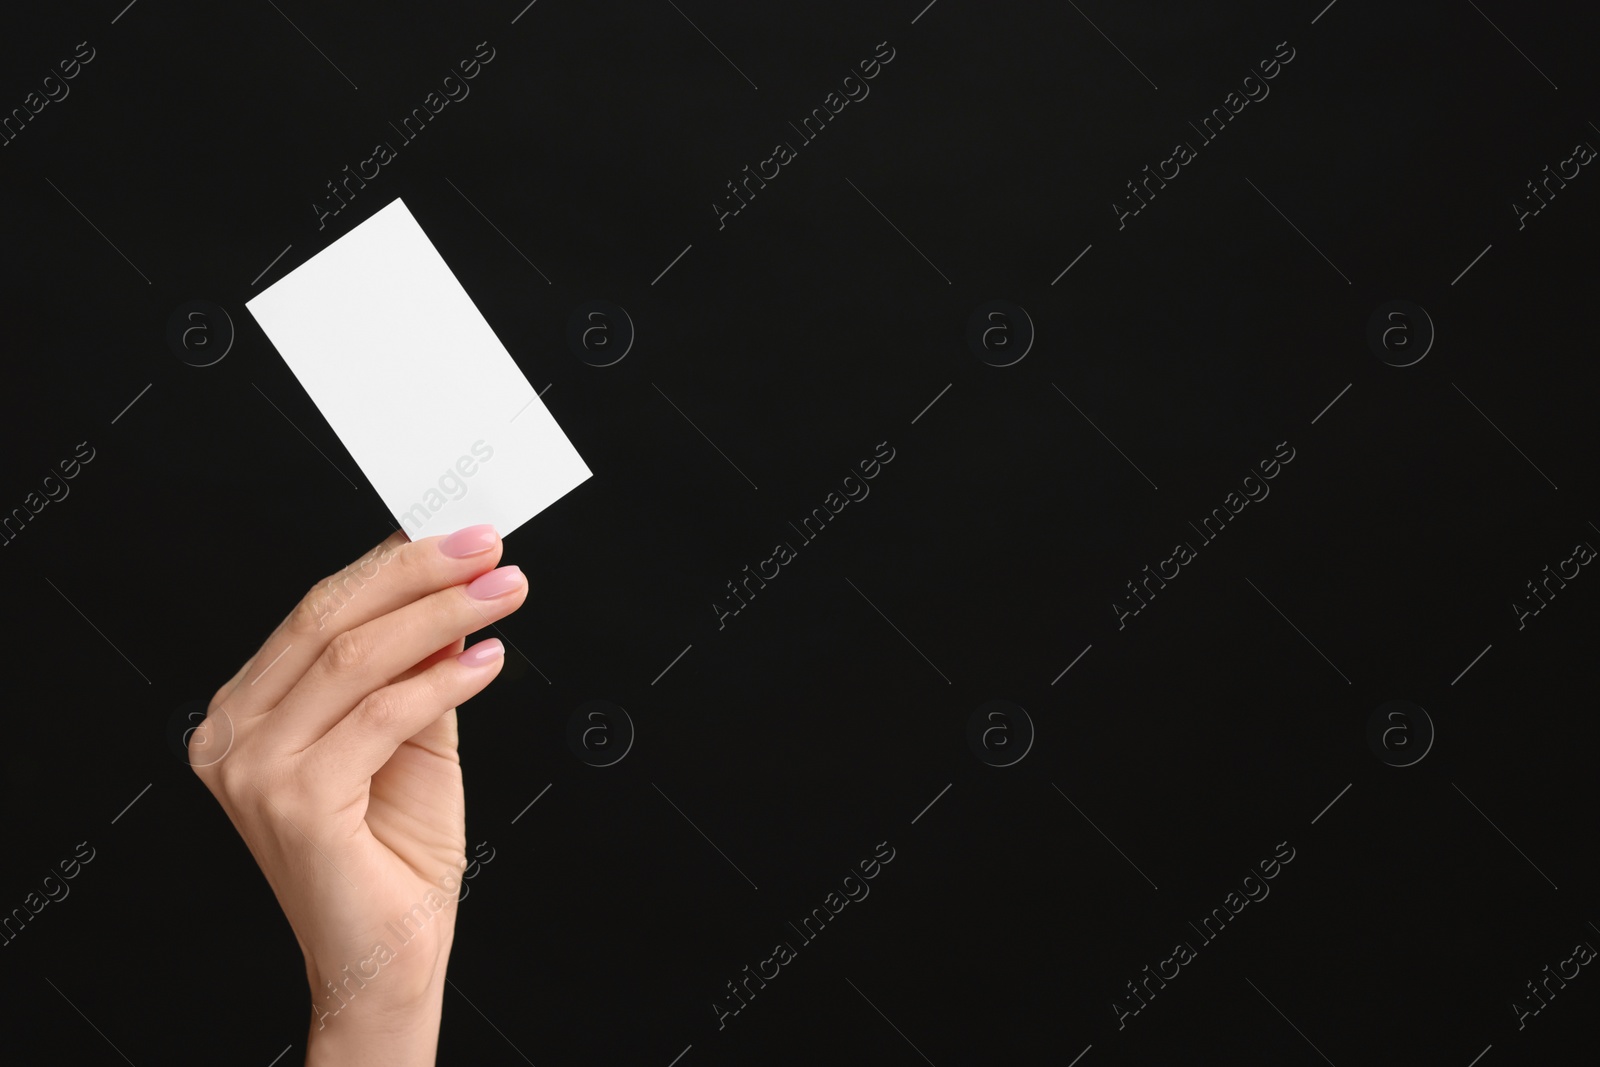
(339, 591)
(308, 615)
(263, 787)
(347, 652)
(410, 567)
(195, 748)
(227, 779)
(380, 711)
(208, 741)
(278, 798)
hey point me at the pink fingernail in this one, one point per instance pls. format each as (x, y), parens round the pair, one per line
(498, 582)
(481, 653)
(469, 541)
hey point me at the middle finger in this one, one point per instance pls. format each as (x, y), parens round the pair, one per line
(374, 654)
(398, 572)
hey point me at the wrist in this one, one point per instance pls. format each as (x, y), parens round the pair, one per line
(366, 1033)
(383, 1008)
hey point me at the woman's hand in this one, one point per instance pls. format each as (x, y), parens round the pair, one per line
(333, 750)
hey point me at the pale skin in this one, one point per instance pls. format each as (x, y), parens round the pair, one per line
(334, 752)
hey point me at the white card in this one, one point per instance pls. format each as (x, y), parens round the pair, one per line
(415, 383)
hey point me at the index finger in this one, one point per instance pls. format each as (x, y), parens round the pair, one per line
(395, 573)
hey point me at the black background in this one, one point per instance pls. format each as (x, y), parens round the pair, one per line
(799, 336)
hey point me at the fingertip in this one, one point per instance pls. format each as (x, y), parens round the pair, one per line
(483, 654)
(498, 583)
(470, 541)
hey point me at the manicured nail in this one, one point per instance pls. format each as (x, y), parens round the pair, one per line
(469, 542)
(481, 653)
(498, 582)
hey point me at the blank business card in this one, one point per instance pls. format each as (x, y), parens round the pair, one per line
(415, 383)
